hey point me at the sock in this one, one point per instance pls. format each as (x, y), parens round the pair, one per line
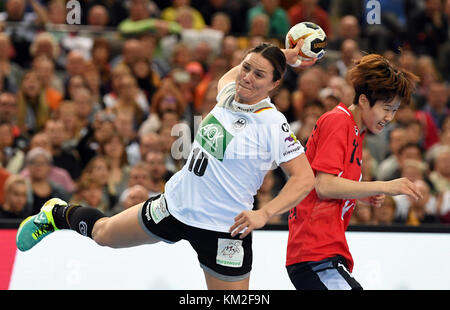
(78, 218)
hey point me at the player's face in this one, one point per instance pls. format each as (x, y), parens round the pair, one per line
(254, 81)
(375, 118)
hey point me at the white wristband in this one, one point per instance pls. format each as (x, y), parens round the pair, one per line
(297, 63)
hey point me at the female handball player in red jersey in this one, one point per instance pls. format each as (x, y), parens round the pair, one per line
(318, 256)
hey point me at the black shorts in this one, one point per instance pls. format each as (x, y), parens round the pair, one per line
(222, 256)
(327, 274)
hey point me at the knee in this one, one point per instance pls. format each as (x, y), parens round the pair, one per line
(100, 233)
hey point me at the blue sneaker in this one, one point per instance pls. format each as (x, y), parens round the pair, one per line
(34, 228)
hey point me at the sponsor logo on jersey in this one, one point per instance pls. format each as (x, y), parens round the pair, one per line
(213, 137)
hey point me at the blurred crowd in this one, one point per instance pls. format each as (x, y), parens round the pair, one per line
(93, 94)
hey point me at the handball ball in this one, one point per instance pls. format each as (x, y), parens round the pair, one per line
(315, 40)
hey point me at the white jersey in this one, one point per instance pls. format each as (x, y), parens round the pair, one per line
(235, 145)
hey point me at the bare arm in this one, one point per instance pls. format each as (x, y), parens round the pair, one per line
(299, 185)
(329, 186)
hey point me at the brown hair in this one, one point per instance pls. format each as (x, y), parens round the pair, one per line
(376, 78)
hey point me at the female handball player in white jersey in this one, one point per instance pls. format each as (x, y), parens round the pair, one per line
(235, 145)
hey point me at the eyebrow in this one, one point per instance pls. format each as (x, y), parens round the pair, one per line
(258, 70)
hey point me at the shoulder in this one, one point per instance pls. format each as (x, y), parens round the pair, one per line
(336, 117)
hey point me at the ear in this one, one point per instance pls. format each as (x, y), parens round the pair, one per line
(275, 85)
(363, 101)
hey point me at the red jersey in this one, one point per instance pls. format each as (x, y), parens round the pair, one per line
(317, 227)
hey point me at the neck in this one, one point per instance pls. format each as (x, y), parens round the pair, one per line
(357, 116)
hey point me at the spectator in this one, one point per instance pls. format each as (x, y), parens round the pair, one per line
(309, 84)
(140, 175)
(132, 50)
(4, 175)
(92, 79)
(428, 28)
(139, 22)
(12, 158)
(259, 26)
(53, 86)
(134, 195)
(149, 141)
(385, 214)
(89, 193)
(428, 73)
(444, 207)
(125, 88)
(23, 31)
(310, 11)
(131, 196)
(386, 168)
(125, 125)
(15, 202)
(158, 172)
(8, 114)
(62, 157)
(407, 114)
(101, 56)
(98, 169)
(131, 99)
(414, 170)
(362, 214)
(38, 162)
(166, 98)
(437, 99)
(348, 28)
(56, 12)
(349, 53)
(10, 71)
(113, 149)
(74, 83)
(33, 109)
(98, 17)
(147, 79)
(116, 10)
(47, 45)
(341, 90)
(305, 125)
(67, 113)
(170, 13)
(85, 107)
(444, 140)
(172, 161)
(101, 130)
(422, 211)
(217, 68)
(440, 176)
(235, 9)
(279, 23)
(56, 174)
(283, 101)
(266, 193)
(369, 165)
(75, 62)
(222, 22)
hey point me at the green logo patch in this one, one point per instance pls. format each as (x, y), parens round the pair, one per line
(213, 137)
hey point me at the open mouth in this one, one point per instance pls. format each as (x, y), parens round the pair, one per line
(381, 125)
